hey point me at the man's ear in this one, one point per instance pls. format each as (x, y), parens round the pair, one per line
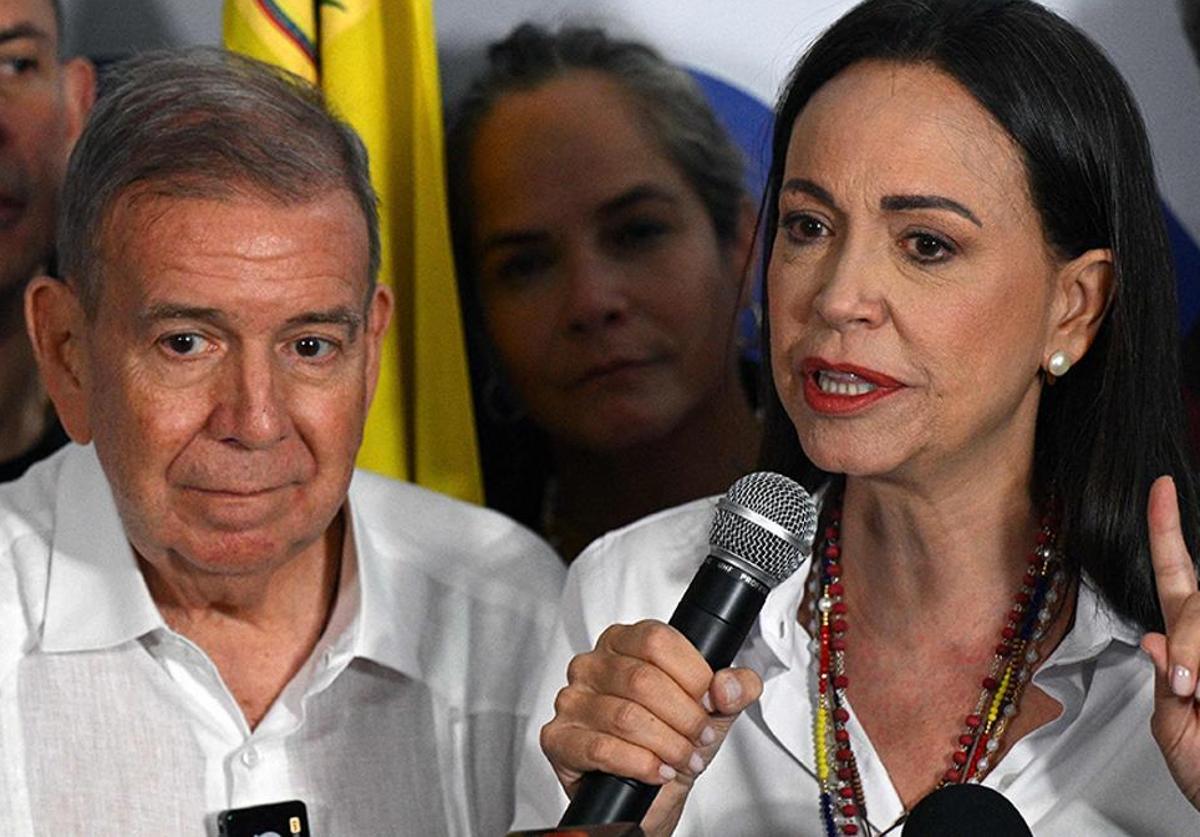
(1083, 290)
(79, 94)
(379, 315)
(56, 324)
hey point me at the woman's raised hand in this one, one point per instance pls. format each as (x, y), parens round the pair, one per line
(644, 704)
(1176, 719)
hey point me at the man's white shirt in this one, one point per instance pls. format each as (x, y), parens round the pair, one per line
(405, 718)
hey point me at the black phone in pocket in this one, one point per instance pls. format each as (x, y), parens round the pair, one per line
(279, 819)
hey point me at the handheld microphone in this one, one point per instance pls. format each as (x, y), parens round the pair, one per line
(761, 533)
(957, 809)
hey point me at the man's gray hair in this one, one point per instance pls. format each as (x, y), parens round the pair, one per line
(204, 123)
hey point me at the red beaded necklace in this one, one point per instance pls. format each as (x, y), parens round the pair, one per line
(843, 807)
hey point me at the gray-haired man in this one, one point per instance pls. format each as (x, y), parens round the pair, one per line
(205, 608)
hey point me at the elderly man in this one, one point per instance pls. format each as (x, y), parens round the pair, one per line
(202, 606)
(43, 103)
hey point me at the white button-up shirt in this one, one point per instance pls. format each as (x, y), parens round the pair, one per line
(402, 721)
(1095, 770)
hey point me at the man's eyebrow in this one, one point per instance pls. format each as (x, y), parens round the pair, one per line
(173, 311)
(23, 30)
(341, 315)
(809, 187)
(894, 203)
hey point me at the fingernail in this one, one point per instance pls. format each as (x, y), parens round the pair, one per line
(1181, 681)
(733, 690)
(666, 771)
(696, 763)
(708, 736)
(706, 702)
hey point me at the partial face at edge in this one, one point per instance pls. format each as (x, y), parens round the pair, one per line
(42, 107)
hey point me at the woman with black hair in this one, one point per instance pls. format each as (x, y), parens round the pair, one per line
(972, 340)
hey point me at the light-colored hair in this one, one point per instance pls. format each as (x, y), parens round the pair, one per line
(204, 123)
(666, 97)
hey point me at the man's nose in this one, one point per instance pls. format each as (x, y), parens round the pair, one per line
(251, 405)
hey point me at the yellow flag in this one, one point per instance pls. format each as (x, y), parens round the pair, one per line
(376, 61)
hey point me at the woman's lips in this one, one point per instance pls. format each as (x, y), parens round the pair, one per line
(613, 370)
(842, 388)
(11, 210)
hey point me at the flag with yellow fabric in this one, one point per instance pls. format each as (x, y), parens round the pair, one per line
(376, 62)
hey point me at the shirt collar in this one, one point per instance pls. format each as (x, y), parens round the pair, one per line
(394, 595)
(96, 597)
(1096, 625)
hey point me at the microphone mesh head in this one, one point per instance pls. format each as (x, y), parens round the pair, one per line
(780, 500)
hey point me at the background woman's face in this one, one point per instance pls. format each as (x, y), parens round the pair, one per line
(910, 283)
(608, 297)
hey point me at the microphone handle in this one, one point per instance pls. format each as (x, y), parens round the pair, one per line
(715, 614)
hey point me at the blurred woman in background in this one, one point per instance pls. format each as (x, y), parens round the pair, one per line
(603, 235)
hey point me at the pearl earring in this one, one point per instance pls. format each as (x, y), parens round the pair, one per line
(1059, 364)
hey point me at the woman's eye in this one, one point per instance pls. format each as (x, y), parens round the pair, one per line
(928, 248)
(187, 344)
(634, 235)
(313, 348)
(802, 227)
(522, 266)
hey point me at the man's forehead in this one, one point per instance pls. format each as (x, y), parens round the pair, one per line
(29, 17)
(200, 243)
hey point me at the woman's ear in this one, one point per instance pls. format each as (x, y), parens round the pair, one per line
(56, 324)
(1083, 290)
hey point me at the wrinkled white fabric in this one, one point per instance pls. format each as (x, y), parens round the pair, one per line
(1095, 770)
(405, 719)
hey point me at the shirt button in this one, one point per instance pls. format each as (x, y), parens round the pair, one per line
(250, 757)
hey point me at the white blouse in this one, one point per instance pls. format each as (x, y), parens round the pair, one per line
(1094, 770)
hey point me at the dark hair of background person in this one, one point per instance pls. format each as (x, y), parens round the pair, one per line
(248, 130)
(516, 456)
(1114, 423)
(1190, 10)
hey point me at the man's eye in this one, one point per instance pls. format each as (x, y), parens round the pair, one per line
(313, 348)
(17, 65)
(187, 344)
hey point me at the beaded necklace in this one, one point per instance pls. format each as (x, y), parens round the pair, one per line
(843, 807)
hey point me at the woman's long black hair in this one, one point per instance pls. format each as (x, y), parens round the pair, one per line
(1115, 422)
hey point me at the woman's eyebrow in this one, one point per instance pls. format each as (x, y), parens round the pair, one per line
(894, 203)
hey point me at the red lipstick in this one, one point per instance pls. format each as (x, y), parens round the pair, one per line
(842, 389)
